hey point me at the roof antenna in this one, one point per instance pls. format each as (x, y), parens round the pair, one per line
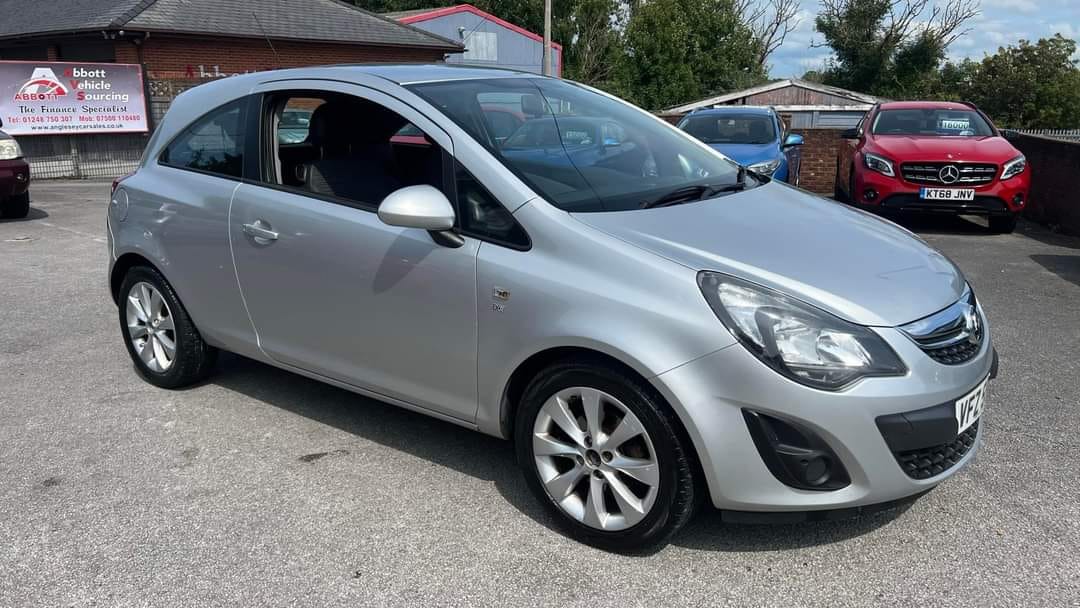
(263, 30)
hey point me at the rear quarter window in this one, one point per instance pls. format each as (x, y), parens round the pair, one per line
(212, 144)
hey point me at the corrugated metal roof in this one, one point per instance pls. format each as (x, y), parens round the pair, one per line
(311, 20)
(856, 97)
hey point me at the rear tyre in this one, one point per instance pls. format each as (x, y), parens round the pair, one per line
(605, 456)
(1003, 224)
(160, 337)
(15, 207)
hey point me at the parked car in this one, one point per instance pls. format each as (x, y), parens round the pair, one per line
(550, 145)
(14, 179)
(930, 156)
(293, 128)
(751, 136)
(650, 336)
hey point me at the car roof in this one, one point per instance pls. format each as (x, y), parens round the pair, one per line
(408, 73)
(764, 110)
(923, 105)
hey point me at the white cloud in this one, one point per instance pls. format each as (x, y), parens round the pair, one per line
(1021, 6)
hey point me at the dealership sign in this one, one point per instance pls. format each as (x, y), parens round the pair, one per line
(47, 97)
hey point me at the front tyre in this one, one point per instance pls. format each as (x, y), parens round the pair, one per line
(15, 207)
(160, 337)
(605, 456)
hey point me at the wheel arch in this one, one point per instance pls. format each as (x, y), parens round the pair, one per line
(120, 268)
(536, 363)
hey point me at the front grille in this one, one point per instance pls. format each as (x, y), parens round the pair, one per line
(955, 354)
(951, 336)
(982, 205)
(969, 174)
(935, 460)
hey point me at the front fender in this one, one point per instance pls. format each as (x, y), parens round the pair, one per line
(581, 288)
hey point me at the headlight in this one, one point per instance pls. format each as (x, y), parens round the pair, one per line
(766, 168)
(880, 164)
(9, 149)
(1014, 167)
(801, 342)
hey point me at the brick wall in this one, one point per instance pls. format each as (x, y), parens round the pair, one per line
(1055, 181)
(819, 152)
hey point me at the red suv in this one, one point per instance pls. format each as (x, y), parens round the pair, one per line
(14, 179)
(932, 156)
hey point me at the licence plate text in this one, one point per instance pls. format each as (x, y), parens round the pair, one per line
(947, 194)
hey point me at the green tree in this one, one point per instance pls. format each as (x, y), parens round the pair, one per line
(1027, 86)
(681, 50)
(891, 48)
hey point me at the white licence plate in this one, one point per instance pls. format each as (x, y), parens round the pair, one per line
(970, 407)
(947, 194)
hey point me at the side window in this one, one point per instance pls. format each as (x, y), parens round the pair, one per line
(345, 148)
(214, 143)
(484, 217)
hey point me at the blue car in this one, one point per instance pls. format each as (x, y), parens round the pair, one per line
(751, 136)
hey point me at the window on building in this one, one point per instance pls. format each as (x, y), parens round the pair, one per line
(481, 46)
(97, 52)
(213, 144)
(25, 53)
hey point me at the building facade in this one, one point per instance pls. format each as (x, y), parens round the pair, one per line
(802, 104)
(179, 44)
(488, 40)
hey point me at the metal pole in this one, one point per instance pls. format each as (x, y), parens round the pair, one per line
(547, 38)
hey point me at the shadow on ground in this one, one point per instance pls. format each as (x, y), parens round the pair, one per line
(35, 214)
(943, 224)
(492, 459)
(1065, 266)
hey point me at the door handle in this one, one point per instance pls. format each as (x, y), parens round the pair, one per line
(260, 231)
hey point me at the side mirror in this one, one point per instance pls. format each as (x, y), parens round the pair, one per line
(531, 105)
(1, 122)
(423, 207)
(793, 140)
(849, 134)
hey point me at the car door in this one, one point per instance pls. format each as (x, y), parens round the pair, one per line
(332, 290)
(846, 155)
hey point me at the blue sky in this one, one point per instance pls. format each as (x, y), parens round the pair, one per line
(1001, 23)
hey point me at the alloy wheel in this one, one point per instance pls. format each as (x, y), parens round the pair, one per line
(150, 327)
(595, 459)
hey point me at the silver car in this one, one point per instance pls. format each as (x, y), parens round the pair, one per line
(652, 325)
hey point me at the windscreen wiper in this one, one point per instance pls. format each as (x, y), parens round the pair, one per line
(689, 194)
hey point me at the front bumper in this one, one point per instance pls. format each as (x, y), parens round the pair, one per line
(711, 394)
(14, 177)
(874, 191)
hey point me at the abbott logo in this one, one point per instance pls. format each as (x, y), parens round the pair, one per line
(42, 86)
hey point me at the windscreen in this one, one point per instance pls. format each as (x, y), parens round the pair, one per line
(931, 121)
(580, 150)
(731, 129)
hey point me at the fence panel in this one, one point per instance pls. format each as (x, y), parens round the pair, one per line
(1065, 134)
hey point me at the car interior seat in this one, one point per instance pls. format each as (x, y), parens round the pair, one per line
(354, 154)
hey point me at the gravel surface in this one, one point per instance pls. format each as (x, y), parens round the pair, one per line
(262, 488)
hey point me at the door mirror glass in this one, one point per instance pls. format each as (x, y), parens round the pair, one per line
(793, 140)
(424, 207)
(849, 134)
